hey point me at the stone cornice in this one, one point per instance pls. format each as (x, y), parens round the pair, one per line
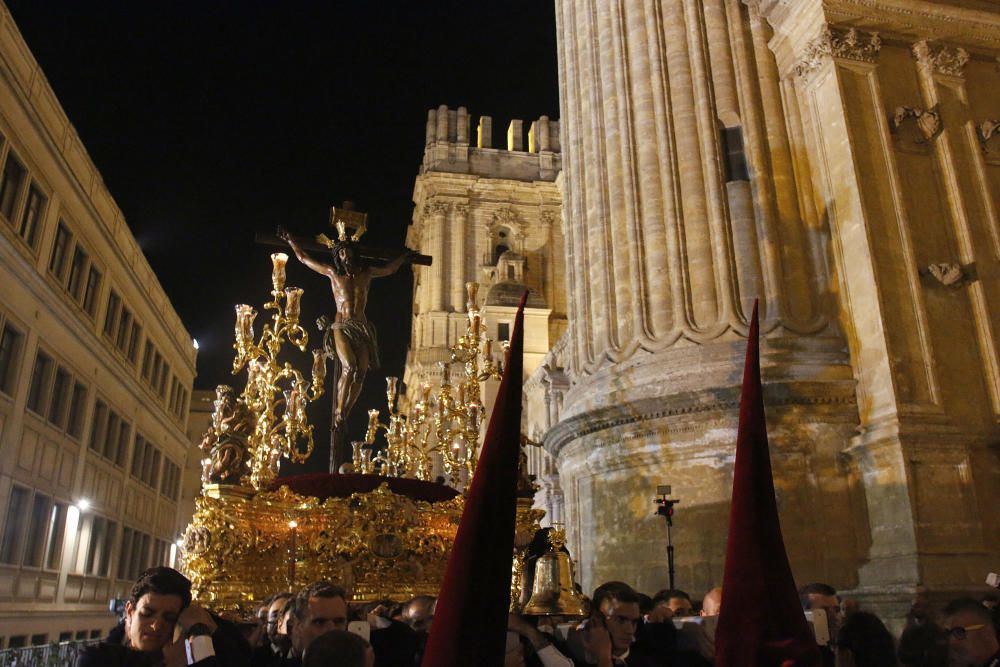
(920, 19)
(680, 406)
(796, 22)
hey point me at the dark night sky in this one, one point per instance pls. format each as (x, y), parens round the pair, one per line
(210, 121)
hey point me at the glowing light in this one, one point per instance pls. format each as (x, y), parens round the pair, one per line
(83, 504)
(194, 341)
(293, 524)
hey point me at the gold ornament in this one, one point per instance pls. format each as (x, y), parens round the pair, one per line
(276, 393)
(380, 544)
(447, 425)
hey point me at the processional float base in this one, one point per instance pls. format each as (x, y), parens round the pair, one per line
(379, 538)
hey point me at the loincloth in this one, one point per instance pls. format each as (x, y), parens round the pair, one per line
(361, 336)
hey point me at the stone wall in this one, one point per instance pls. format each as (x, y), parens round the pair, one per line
(720, 151)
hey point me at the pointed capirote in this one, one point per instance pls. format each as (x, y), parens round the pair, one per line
(761, 621)
(470, 620)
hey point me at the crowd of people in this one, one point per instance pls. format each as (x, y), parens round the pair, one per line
(317, 626)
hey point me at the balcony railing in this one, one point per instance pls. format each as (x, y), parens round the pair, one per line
(62, 654)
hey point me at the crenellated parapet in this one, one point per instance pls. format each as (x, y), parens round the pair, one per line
(453, 145)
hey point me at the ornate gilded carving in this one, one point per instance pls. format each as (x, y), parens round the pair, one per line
(928, 121)
(848, 44)
(238, 547)
(942, 59)
(446, 425)
(462, 209)
(226, 441)
(276, 393)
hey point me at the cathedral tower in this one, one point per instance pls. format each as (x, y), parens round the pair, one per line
(492, 216)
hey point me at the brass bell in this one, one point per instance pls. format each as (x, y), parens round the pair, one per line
(552, 592)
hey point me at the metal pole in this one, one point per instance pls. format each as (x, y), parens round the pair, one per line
(670, 552)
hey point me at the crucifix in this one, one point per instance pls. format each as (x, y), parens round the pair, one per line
(349, 340)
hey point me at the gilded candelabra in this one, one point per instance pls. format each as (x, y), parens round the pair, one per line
(276, 394)
(446, 424)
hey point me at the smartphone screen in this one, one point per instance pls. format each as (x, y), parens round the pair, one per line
(361, 629)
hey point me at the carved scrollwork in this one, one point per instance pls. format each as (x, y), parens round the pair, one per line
(988, 129)
(548, 218)
(833, 42)
(927, 121)
(378, 544)
(853, 44)
(436, 208)
(505, 216)
(949, 274)
(226, 440)
(988, 132)
(942, 59)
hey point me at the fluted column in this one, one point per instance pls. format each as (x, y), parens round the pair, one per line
(435, 230)
(459, 235)
(663, 259)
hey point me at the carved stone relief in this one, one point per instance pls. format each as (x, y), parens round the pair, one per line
(847, 44)
(914, 128)
(949, 274)
(941, 59)
(989, 138)
(436, 208)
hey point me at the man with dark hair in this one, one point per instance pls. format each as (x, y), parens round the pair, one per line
(972, 637)
(695, 636)
(317, 609)
(395, 642)
(276, 644)
(676, 600)
(159, 601)
(617, 634)
(823, 597)
(339, 648)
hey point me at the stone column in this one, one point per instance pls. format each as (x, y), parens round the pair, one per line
(660, 275)
(459, 240)
(886, 137)
(435, 230)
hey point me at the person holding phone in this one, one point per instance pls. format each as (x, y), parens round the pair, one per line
(617, 634)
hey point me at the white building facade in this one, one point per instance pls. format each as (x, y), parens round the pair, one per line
(96, 372)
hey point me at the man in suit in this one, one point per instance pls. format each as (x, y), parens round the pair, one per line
(159, 602)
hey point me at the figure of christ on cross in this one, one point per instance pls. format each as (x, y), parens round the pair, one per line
(350, 338)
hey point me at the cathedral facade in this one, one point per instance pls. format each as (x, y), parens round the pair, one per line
(838, 160)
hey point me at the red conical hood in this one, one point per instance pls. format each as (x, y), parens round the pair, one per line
(761, 621)
(470, 621)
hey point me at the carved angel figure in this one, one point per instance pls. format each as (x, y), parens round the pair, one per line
(225, 441)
